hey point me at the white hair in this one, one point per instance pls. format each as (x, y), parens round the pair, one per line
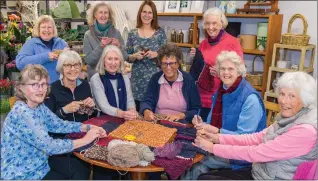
(233, 57)
(100, 67)
(94, 7)
(304, 83)
(67, 56)
(216, 12)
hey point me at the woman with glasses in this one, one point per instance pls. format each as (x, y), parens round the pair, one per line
(71, 100)
(237, 108)
(142, 45)
(42, 48)
(171, 91)
(203, 68)
(25, 142)
(111, 88)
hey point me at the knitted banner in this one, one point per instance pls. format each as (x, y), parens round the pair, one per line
(147, 133)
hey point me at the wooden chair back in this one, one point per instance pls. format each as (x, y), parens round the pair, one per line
(272, 111)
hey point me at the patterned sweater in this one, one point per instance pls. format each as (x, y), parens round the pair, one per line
(26, 145)
(143, 70)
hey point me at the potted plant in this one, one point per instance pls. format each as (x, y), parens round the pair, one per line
(5, 88)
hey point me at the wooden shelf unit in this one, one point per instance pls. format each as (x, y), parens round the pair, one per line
(275, 22)
(301, 67)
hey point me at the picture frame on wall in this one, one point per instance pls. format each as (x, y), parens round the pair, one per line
(160, 5)
(197, 6)
(172, 6)
(185, 6)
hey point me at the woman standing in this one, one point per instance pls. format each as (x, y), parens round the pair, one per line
(142, 46)
(214, 23)
(102, 32)
(41, 48)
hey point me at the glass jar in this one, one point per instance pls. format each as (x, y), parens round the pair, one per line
(190, 35)
(173, 36)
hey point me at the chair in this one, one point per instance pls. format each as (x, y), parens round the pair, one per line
(272, 111)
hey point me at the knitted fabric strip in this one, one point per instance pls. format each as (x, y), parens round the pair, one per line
(170, 150)
(97, 152)
(175, 167)
(184, 137)
(189, 131)
(165, 122)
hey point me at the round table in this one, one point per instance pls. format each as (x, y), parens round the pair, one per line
(136, 173)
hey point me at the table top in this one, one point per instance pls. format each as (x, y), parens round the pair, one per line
(149, 168)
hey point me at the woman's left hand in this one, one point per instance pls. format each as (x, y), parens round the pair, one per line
(175, 117)
(115, 42)
(151, 54)
(203, 144)
(100, 130)
(89, 102)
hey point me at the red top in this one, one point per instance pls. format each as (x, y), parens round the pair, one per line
(209, 52)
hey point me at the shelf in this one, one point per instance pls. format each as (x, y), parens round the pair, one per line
(271, 94)
(179, 14)
(184, 45)
(294, 47)
(261, 4)
(276, 69)
(259, 88)
(254, 52)
(70, 19)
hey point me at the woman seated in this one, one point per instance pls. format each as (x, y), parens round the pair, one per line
(70, 99)
(237, 108)
(277, 151)
(111, 89)
(43, 48)
(25, 142)
(171, 91)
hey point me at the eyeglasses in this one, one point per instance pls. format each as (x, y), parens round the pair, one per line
(223, 69)
(69, 66)
(208, 24)
(171, 64)
(36, 86)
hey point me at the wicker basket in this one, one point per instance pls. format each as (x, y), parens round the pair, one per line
(255, 78)
(296, 39)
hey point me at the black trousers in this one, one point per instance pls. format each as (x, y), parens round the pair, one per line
(137, 105)
(242, 174)
(67, 166)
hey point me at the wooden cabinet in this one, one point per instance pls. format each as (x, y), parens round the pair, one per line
(301, 66)
(274, 31)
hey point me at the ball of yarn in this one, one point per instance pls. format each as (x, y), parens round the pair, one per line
(145, 153)
(115, 142)
(123, 155)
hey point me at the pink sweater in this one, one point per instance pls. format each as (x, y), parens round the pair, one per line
(210, 53)
(297, 141)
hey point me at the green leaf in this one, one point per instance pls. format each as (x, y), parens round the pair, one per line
(74, 9)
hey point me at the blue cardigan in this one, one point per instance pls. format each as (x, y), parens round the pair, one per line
(189, 91)
(36, 52)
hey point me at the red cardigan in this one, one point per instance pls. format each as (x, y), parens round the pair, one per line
(209, 52)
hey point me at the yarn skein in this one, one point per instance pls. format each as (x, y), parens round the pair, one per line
(123, 155)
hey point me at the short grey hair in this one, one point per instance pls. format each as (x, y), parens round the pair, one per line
(93, 8)
(100, 67)
(216, 12)
(233, 57)
(39, 21)
(304, 83)
(67, 56)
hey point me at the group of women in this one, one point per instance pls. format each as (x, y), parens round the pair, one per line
(232, 117)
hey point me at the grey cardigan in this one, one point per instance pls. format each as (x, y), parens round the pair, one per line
(93, 49)
(101, 100)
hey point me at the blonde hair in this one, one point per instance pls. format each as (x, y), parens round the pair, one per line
(67, 56)
(94, 7)
(100, 67)
(30, 72)
(233, 57)
(216, 12)
(39, 21)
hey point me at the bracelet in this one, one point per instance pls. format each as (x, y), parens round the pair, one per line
(88, 127)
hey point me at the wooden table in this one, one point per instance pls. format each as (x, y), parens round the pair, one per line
(136, 173)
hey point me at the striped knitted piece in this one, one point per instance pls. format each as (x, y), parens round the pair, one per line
(170, 150)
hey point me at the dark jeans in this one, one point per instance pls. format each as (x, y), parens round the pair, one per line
(67, 166)
(242, 174)
(204, 113)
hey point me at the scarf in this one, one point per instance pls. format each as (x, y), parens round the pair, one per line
(109, 90)
(214, 41)
(103, 28)
(216, 118)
